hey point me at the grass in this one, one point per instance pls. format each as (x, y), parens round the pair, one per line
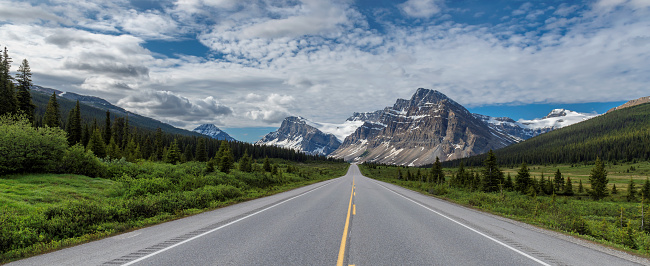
(611, 221)
(45, 212)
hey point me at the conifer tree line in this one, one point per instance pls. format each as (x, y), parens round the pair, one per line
(491, 179)
(114, 138)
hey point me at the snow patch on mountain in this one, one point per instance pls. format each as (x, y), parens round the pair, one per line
(213, 131)
(558, 118)
(340, 131)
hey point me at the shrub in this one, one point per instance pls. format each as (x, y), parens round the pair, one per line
(24, 148)
(77, 160)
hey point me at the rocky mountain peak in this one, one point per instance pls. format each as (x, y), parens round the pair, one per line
(297, 134)
(556, 113)
(213, 131)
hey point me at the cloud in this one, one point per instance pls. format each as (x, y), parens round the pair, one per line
(269, 109)
(175, 108)
(421, 8)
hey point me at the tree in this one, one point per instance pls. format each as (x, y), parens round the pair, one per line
(107, 128)
(508, 185)
(614, 190)
(267, 165)
(492, 176)
(226, 160)
(580, 187)
(568, 187)
(645, 191)
(598, 179)
(52, 116)
(96, 144)
(74, 125)
(8, 101)
(631, 191)
(436, 172)
(558, 181)
(23, 96)
(522, 179)
(158, 145)
(201, 152)
(246, 163)
(113, 150)
(173, 154)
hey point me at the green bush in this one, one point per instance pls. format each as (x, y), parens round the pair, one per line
(77, 160)
(24, 148)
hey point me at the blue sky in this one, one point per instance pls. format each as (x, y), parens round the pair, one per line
(250, 63)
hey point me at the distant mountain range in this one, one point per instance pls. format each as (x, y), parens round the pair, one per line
(414, 132)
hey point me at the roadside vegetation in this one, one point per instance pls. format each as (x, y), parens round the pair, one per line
(604, 202)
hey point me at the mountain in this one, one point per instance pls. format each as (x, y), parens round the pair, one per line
(620, 135)
(525, 129)
(94, 109)
(631, 103)
(297, 133)
(213, 131)
(416, 131)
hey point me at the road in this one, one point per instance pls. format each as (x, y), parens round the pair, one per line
(351, 220)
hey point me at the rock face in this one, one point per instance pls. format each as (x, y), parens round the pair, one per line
(631, 103)
(213, 131)
(295, 133)
(416, 131)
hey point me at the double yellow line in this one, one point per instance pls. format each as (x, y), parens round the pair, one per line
(344, 239)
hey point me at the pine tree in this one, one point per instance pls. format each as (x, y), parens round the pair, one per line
(267, 165)
(646, 190)
(173, 153)
(581, 189)
(246, 163)
(158, 145)
(226, 159)
(201, 152)
(74, 125)
(96, 144)
(559, 181)
(492, 176)
(8, 101)
(112, 150)
(436, 172)
(23, 96)
(631, 191)
(85, 135)
(522, 179)
(509, 186)
(568, 187)
(52, 116)
(107, 128)
(614, 190)
(598, 179)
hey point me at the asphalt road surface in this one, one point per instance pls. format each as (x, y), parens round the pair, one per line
(351, 220)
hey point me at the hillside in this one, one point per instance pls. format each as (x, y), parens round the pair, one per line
(93, 108)
(620, 135)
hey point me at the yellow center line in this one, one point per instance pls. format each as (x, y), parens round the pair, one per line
(339, 262)
(354, 209)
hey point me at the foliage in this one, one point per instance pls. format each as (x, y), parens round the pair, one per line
(96, 144)
(492, 176)
(598, 179)
(24, 148)
(436, 172)
(52, 115)
(77, 160)
(23, 96)
(71, 209)
(8, 101)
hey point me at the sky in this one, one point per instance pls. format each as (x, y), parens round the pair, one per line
(250, 63)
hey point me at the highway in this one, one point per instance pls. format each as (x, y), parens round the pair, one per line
(351, 220)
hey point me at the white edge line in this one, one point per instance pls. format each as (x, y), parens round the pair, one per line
(472, 229)
(220, 227)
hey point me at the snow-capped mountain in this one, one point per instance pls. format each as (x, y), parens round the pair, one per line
(213, 131)
(416, 131)
(524, 129)
(300, 134)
